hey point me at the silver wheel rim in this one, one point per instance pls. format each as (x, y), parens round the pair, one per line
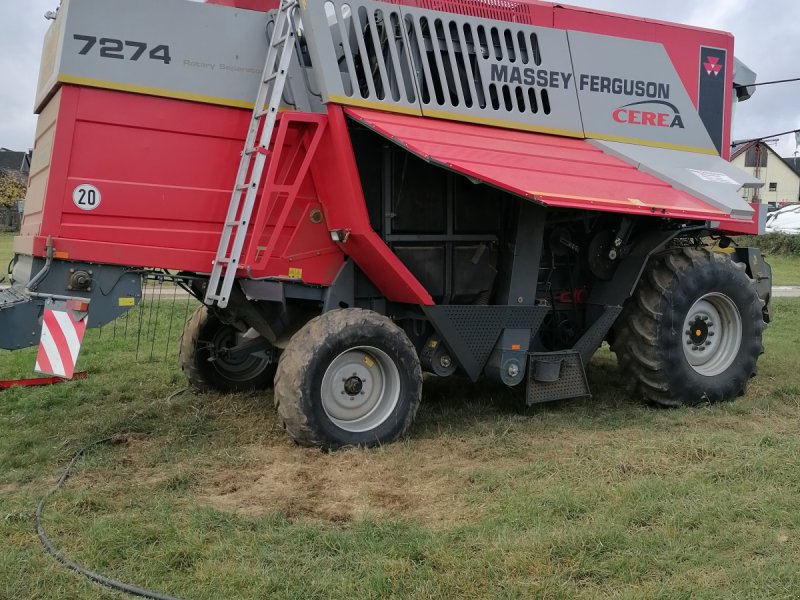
(360, 389)
(712, 334)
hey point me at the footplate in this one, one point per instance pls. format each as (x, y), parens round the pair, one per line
(10, 296)
(556, 376)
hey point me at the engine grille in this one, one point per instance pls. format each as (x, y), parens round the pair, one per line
(463, 64)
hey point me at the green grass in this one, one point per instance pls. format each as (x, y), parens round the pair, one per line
(6, 253)
(204, 496)
(785, 269)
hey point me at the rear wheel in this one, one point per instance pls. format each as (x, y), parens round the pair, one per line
(692, 332)
(348, 378)
(203, 357)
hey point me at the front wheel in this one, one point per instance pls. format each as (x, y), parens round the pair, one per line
(349, 377)
(692, 332)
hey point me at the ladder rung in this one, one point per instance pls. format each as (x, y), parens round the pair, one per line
(273, 76)
(282, 40)
(241, 222)
(257, 150)
(260, 113)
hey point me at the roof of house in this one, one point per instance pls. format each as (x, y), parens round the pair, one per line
(15, 161)
(740, 148)
(793, 162)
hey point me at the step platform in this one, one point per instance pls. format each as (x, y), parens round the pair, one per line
(556, 376)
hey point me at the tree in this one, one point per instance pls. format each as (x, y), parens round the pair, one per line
(12, 188)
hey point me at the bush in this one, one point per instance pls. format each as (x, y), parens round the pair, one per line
(773, 243)
(12, 189)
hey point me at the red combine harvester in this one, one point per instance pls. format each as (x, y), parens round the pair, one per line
(484, 187)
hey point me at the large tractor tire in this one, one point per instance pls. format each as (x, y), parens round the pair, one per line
(349, 377)
(203, 337)
(692, 331)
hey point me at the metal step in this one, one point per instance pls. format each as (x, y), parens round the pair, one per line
(556, 376)
(10, 296)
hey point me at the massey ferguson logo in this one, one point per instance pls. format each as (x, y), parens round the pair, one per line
(712, 65)
(649, 113)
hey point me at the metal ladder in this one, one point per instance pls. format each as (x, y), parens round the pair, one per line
(254, 156)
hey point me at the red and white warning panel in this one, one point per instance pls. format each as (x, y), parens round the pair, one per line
(62, 335)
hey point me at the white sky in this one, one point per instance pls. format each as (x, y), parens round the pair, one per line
(766, 33)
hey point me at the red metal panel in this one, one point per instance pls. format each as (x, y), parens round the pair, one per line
(165, 169)
(336, 178)
(530, 12)
(555, 171)
(262, 5)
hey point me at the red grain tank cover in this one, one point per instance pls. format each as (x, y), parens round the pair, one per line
(552, 170)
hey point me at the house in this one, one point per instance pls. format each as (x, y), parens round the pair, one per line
(16, 162)
(780, 176)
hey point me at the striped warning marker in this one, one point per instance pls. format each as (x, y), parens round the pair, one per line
(60, 343)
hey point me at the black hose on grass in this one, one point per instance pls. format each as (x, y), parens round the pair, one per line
(71, 564)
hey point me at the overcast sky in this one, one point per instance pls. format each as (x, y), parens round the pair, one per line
(766, 32)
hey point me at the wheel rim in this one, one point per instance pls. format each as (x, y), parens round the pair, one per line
(360, 389)
(240, 369)
(712, 334)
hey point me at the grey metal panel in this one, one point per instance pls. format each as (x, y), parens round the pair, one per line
(743, 75)
(707, 177)
(498, 73)
(217, 53)
(343, 36)
(443, 65)
(20, 310)
(635, 77)
(471, 331)
(19, 319)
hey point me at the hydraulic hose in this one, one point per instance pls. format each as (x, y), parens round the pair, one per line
(113, 584)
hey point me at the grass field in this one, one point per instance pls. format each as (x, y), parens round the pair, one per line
(785, 269)
(205, 497)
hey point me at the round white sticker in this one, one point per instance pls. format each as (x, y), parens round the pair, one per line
(86, 197)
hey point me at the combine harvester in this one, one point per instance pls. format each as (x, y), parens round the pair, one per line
(484, 187)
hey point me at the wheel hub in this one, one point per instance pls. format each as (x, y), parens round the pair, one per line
(712, 334)
(360, 389)
(698, 331)
(353, 386)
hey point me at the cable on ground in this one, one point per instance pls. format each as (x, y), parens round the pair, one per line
(68, 562)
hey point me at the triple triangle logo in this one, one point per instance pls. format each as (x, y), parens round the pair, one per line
(712, 65)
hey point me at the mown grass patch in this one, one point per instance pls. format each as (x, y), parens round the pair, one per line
(205, 497)
(785, 269)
